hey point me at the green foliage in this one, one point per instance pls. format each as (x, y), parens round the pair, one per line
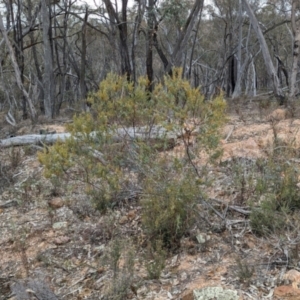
(15, 157)
(175, 11)
(120, 259)
(269, 185)
(244, 271)
(266, 220)
(168, 200)
(9, 167)
(155, 260)
(277, 181)
(276, 189)
(103, 157)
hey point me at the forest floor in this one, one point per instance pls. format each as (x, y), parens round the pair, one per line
(59, 241)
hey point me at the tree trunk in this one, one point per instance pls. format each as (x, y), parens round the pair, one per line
(193, 49)
(48, 78)
(150, 35)
(266, 54)
(158, 48)
(83, 57)
(19, 50)
(137, 24)
(123, 34)
(155, 133)
(296, 36)
(239, 71)
(185, 35)
(32, 110)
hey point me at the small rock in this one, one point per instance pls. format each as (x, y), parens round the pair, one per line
(61, 240)
(166, 275)
(100, 270)
(278, 115)
(202, 238)
(217, 293)
(175, 282)
(293, 276)
(8, 204)
(131, 214)
(174, 261)
(188, 295)
(287, 292)
(183, 276)
(59, 225)
(175, 290)
(123, 220)
(142, 291)
(56, 203)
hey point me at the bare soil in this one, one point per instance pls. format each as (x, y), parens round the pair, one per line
(61, 245)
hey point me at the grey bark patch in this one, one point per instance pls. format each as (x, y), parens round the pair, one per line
(215, 293)
(32, 289)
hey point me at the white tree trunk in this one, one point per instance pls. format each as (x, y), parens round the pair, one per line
(266, 54)
(251, 80)
(32, 110)
(184, 35)
(238, 89)
(48, 79)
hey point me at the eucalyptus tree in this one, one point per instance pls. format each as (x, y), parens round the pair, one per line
(169, 30)
(141, 7)
(219, 57)
(296, 38)
(48, 76)
(265, 51)
(17, 71)
(120, 22)
(239, 70)
(150, 42)
(14, 11)
(185, 34)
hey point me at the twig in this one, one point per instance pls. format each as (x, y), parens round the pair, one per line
(76, 282)
(233, 207)
(233, 222)
(229, 134)
(215, 211)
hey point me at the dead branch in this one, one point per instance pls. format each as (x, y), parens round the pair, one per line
(121, 134)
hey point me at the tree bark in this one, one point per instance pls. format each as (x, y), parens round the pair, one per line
(121, 134)
(266, 54)
(296, 36)
(238, 89)
(39, 76)
(185, 35)
(48, 78)
(137, 25)
(150, 36)
(123, 34)
(83, 57)
(32, 110)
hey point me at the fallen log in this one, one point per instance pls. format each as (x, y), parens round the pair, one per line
(130, 133)
(33, 139)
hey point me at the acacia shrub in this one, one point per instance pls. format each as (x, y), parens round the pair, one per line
(116, 152)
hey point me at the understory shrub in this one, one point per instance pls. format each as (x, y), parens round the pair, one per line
(119, 258)
(118, 152)
(168, 200)
(275, 189)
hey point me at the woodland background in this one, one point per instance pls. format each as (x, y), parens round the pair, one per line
(53, 54)
(163, 190)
